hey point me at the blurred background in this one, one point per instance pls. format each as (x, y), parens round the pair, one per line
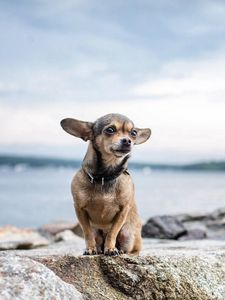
(161, 63)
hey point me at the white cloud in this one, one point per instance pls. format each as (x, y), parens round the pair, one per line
(214, 8)
(204, 78)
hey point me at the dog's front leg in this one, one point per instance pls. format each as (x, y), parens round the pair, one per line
(119, 220)
(88, 232)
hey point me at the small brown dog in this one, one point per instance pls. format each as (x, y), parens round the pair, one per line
(102, 189)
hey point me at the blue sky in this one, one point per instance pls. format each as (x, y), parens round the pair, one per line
(162, 63)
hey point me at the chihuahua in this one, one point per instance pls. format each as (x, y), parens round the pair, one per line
(102, 189)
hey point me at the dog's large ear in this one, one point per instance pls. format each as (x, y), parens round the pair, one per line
(78, 128)
(142, 135)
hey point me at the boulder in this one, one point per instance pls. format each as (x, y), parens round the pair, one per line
(166, 269)
(213, 224)
(23, 278)
(194, 234)
(192, 226)
(74, 247)
(163, 227)
(56, 227)
(217, 214)
(78, 230)
(191, 217)
(20, 238)
(216, 221)
(66, 235)
(192, 266)
(53, 229)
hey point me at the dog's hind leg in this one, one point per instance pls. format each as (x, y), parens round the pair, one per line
(137, 245)
(128, 241)
(125, 240)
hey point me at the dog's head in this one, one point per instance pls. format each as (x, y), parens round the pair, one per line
(112, 134)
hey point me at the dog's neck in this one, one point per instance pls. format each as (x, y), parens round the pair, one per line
(103, 166)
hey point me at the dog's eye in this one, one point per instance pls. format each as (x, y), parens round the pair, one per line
(133, 133)
(110, 130)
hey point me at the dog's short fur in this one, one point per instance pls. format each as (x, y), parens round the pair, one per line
(102, 189)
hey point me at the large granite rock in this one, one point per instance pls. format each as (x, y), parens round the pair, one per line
(167, 269)
(179, 270)
(23, 278)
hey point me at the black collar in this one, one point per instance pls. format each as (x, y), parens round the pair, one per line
(105, 174)
(99, 178)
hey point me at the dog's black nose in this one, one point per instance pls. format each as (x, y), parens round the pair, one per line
(126, 142)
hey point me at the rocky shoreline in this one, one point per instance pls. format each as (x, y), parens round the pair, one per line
(183, 258)
(187, 226)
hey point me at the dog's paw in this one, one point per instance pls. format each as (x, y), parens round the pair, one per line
(111, 251)
(90, 251)
(122, 251)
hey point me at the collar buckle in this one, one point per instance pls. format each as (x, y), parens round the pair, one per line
(90, 177)
(96, 179)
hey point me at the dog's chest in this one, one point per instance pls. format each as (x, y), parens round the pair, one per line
(102, 208)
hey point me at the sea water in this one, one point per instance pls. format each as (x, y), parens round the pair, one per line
(31, 197)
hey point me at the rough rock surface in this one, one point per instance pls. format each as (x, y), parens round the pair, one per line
(166, 270)
(173, 270)
(17, 238)
(23, 278)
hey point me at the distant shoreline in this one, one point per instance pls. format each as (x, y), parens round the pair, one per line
(40, 162)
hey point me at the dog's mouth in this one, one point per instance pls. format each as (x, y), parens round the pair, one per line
(121, 151)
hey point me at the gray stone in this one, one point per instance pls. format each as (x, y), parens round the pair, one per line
(163, 227)
(71, 248)
(194, 234)
(78, 230)
(174, 270)
(19, 238)
(22, 278)
(217, 214)
(54, 228)
(66, 235)
(191, 217)
(213, 224)
(191, 268)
